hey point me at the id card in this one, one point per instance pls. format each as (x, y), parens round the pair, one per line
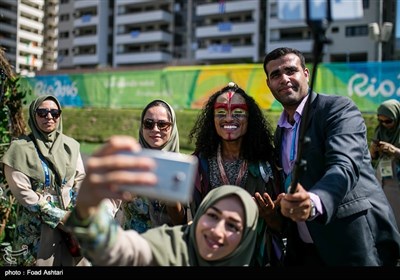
(385, 168)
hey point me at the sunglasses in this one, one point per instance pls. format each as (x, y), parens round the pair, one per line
(55, 113)
(386, 121)
(150, 124)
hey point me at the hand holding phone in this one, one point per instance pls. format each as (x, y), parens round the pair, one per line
(175, 172)
(376, 141)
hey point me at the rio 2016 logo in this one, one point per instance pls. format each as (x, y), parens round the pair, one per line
(361, 85)
(58, 89)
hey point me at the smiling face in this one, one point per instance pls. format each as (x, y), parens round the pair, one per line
(220, 230)
(48, 123)
(287, 80)
(155, 136)
(230, 116)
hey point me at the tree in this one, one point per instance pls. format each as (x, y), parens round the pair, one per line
(12, 125)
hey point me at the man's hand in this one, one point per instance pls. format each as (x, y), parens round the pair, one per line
(296, 206)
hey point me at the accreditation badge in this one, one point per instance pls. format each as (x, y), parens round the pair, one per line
(385, 168)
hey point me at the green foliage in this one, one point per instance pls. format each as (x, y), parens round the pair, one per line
(12, 124)
(91, 127)
(97, 125)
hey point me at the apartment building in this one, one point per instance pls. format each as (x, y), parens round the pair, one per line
(47, 35)
(22, 34)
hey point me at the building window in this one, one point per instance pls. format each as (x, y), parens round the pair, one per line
(354, 31)
(335, 29)
(64, 35)
(349, 57)
(64, 17)
(64, 52)
(274, 10)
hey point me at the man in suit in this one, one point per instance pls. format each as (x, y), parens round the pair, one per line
(338, 214)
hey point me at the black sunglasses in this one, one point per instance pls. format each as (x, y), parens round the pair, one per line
(150, 124)
(385, 121)
(55, 113)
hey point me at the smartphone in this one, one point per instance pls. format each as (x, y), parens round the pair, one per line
(176, 175)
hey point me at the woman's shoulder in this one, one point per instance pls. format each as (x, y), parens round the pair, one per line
(70, 141)
(21, 143)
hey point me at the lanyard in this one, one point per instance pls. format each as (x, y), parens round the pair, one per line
(288, 178)
(293, 146)
(224, 177)
(47, 179)
(46, 171)
(46, 174)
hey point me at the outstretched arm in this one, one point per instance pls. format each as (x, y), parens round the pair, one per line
(106, 171)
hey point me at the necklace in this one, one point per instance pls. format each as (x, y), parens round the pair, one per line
(225, 180)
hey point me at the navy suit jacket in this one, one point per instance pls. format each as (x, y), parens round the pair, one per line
(358, 226)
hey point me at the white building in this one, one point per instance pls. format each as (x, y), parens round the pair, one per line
(47, 35)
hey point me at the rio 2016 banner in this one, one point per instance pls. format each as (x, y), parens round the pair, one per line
(188, 87)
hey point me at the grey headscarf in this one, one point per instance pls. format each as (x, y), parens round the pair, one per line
(390, 109)
(177, 245)
(59, 151)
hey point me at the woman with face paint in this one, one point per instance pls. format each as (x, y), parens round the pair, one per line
(234, 147)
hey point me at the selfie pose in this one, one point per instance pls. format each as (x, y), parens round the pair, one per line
(338, 214)
(222, 232)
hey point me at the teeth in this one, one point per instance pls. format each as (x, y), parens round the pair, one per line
(230, 126)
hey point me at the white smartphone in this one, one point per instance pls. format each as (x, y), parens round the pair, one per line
(176, 174)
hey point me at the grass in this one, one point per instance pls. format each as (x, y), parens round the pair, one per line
(93, 126)
(89, 148)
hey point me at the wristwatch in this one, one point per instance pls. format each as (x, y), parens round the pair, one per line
(313, 211)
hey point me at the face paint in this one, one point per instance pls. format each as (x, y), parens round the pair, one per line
(237, 111)
(231, 116)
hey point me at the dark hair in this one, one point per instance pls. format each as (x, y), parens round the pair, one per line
(257, 142)
(156, 103)
(279, 52)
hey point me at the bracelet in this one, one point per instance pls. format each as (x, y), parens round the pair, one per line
(76, 220)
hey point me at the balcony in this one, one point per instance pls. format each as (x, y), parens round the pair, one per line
(147, 57)
(218, 52)
(144, 37)
(226, 29)
(140, 18)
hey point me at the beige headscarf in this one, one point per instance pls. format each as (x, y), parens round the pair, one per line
(177, 245)
(59, 151)
(172, 145)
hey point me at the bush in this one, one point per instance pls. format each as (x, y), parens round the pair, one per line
(95, 126)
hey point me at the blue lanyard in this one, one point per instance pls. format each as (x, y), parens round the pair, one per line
(46, 172)
(293, 146)
(288, 178)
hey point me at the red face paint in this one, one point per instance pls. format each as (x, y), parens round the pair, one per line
(221, 110)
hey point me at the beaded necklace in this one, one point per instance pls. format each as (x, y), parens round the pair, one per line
(225, 180)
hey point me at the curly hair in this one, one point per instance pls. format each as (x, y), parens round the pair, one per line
(257, 142)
